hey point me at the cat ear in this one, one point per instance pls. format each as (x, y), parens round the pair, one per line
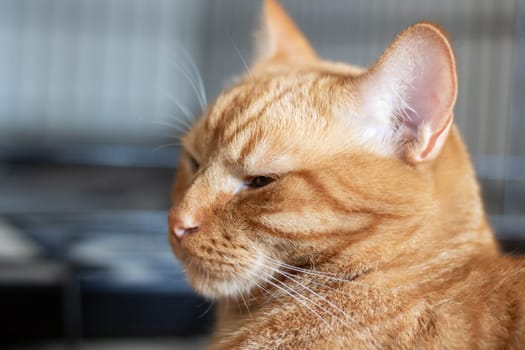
(413, 87)
(279, 38)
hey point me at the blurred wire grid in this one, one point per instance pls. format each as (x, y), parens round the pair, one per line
(79, 73)
(93, 94)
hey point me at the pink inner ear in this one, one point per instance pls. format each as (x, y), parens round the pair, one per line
(430, 96)
(410, 92)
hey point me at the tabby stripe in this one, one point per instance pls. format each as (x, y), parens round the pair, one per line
(237, 99)
(356, 191)
(315, 236)
(266, 100)
(235, 104)
(324, 193)
(230, 98)
(248, 147)
(227, 139)
(335, 203)
(360, 235)
(380, 202)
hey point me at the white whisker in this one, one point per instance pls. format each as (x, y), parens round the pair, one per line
(172, 125)
(290, 290)
(307, 271)
(295, 297)
(179, 127)
(158, 148)
(200, 98)
(208, 309)
(186, 113)
(317, 274)
(197, 74)
(305, 287)
(245, 303)
(322, 298)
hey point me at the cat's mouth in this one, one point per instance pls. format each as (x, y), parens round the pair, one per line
(231, 279)
(217, 273)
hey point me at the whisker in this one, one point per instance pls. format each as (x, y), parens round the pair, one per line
(182, 121)
(180, 129)
(307, 271)
(270, 294)
(295, 298)
(240, 55)
(172, 125)
(208, 309)
(250, 273)
(186, 113)
(158, 148)
(318, 283)
(290, 290)
(294, 279)
(326, 275)
(245, 303)
(243, 62)
(200, 98)
(197, 73)
(321, 297)
(177, 136)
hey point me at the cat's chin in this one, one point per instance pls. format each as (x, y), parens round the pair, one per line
(217, 289)
(223, 285)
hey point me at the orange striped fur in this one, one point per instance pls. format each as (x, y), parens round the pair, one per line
(365, 232)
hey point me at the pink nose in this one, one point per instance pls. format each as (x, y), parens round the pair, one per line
(181, 225)
(181, 231)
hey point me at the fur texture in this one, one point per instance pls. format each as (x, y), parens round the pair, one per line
(325, 206)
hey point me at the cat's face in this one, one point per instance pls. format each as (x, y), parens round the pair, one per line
(294, 163)
(251, 179)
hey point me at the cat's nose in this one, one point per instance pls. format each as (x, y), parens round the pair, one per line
(182, 230)
(181, 225)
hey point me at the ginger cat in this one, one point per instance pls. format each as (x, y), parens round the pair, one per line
(325, 206)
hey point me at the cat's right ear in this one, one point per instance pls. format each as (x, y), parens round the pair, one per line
(279, 39)
(409, 94)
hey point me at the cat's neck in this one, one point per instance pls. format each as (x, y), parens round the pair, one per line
(456, 222)
(457, 194)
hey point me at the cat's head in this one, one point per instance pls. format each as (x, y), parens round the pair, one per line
(302, 157)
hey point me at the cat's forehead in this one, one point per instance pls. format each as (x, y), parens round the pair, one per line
(257, 96)
(272, 118)
(269, 101)
(269, 105)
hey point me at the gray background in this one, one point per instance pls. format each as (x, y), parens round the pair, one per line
(93, 94)
(107, 80)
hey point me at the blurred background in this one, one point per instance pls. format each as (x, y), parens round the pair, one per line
(93, 95)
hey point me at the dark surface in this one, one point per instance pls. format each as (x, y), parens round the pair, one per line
(512, 246)
(30, 312)
(110, 313)
(40, 312)
(106, 226)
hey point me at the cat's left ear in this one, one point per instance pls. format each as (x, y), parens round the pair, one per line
(413, 88)
(279, 38)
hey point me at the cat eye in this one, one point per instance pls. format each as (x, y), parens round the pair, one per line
(194, 163)
(259, 181)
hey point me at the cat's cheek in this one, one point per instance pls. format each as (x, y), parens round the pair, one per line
(176, 247)
(239, 277)
(183, 179)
